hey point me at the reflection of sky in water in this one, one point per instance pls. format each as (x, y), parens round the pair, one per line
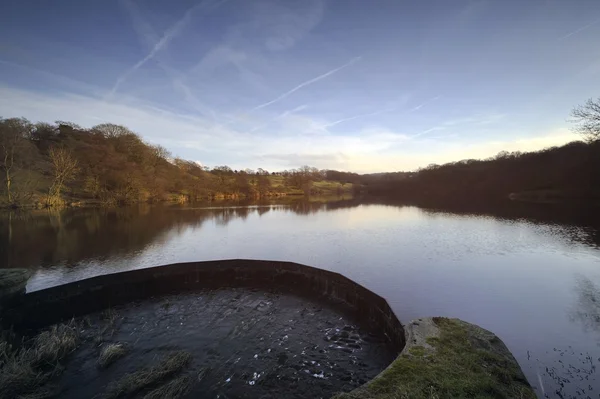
(535, 285)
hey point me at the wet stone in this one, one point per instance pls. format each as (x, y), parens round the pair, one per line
(244, 343)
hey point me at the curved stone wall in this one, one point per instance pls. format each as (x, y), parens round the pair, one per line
(479, 360)
(48, 306)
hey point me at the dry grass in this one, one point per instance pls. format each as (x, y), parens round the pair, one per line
(111, 353)
(173, 389)
(24, 372)
(53, 345)
(147, 377)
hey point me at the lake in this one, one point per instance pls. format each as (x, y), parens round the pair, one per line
(530, 274)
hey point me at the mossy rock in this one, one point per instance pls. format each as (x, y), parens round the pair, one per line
(448, 358)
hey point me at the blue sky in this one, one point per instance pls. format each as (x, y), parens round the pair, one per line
(373, 86)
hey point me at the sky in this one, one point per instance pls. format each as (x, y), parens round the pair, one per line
(362, 86)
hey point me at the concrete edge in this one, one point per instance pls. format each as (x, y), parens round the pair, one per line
(44, 307)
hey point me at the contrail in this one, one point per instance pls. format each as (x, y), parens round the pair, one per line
(147, 35)
(424, 132)
(381, 111)
(351, 118)
(578, 30)
(308, 82)
(418, 107)
(164, 41)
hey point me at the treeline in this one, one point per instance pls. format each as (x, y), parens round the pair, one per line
(570, 172)
(61, 163)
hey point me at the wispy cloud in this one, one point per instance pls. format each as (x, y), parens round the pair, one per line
(165, 40)
(148, 36)
(306, 83)
(65, 81)
(286, 23)
(584, 27)
(280, 116)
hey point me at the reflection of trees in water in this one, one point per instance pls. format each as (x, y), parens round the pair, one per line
(242, 212)
(69, 236)
(50, 237)
(223, 216)
(587, 309)
(261, 210)
(578, 222)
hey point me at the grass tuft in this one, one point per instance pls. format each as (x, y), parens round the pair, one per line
(53, 345)
(146, 378)
(24, 372)
(111, 353)
(173, 389)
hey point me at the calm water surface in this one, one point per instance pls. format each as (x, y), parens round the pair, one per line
(534, 281)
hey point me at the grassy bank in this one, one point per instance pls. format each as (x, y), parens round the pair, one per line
(323, 188)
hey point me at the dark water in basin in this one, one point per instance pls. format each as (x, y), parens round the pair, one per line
(244, 344)
(529, 274)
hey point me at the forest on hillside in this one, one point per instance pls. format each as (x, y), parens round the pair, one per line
(56, 164)
(567, 173)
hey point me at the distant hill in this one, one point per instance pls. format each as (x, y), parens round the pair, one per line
(569, 172)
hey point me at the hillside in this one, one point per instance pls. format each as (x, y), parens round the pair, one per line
(55, 164)
(569, 172)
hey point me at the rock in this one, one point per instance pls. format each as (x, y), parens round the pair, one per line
(448, 358)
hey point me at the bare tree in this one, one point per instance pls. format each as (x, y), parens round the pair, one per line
(64, 167)
(160, 152)
(13, 133)
(110, 130)
(587, 118)
(69, 124)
